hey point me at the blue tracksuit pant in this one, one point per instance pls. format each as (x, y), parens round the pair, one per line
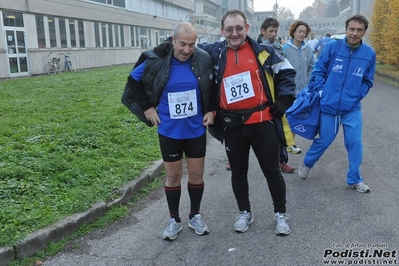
(329, 126)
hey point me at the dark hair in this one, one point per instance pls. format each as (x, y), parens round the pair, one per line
(296, 24)
(358, 18)
(234, 13)
(270, 22)
(328, 35)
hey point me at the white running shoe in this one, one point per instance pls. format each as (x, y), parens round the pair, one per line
(303, 171)
(361, 187)
(198, 225)
(172, 230)
(282, 225)
(244, 219)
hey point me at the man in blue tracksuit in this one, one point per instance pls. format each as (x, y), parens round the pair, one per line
(322, 43)
(342, 86)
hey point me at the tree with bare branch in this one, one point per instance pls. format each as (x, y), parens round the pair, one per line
(283, 13)
(202, 25)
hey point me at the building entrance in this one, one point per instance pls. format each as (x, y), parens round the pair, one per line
(16, 52)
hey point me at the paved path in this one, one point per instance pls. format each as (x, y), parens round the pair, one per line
(326, 216)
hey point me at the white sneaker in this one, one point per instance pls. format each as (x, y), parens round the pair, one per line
(197, 224)
(303, 171)
(244, 219)
(282, 225)
(361, 187)
(294, 149)
(172, 230)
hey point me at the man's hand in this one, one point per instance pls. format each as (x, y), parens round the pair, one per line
(152, 116)
(208, 119)
(278, 108)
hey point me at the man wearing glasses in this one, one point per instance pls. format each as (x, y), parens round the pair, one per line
(256, 86)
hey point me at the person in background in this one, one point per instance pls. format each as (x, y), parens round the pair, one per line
(322, 43)
(269, 30)
(352, 64)
(280, 41)
(164, 87)
(301, 57)
(312, 43)
(255, 87)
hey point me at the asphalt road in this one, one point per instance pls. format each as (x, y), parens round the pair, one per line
(328, 220)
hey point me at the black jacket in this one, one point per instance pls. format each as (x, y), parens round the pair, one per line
(146, 93)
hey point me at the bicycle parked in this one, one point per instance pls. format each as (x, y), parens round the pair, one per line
(68, 62)
(53, 65)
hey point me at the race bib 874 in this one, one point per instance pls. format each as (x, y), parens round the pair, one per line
(182, 104)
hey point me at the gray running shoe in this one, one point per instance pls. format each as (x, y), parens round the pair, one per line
(198, 225)
(282, 225)
(172, 230)
(303, 171)
(361, 187)
(244, 219)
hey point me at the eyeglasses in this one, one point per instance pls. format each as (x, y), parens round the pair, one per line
(231, 30)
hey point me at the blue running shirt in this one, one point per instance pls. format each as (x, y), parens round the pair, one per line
(180, 108)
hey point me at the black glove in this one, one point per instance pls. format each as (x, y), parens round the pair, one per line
(278, 108)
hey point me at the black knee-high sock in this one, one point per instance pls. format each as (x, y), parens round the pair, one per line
(195, 192)
(173, 199)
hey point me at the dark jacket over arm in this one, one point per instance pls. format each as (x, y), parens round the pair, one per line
(134, 97)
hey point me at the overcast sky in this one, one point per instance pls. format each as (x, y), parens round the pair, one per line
(296, 6)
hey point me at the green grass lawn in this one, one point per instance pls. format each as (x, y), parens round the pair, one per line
(66, 141)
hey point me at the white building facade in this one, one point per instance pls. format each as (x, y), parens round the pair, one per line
(95, 32)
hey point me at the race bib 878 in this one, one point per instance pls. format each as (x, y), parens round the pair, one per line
(238, 87)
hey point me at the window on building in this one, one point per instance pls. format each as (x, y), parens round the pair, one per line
(61, 22)
(97, 39)
(344, 4)
(144, 38)
(122, 35)
(210, 11)
(111, 35)
(13, 19)
(132, 44)
(162, 36)
(23, 65)
(104, 33)
(81, 34)
(119, 3)
(137, 34)
(51, 27)
(41, 39)
(72, 32)
(116, 32)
